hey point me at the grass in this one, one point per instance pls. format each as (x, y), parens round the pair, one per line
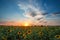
(30, 33)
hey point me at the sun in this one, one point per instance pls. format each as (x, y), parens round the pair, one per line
(26, 24)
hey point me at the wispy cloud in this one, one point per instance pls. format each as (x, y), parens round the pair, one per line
(55, 13)
(33, 12)
(30, 11)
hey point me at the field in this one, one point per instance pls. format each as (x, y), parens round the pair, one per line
(30, 33)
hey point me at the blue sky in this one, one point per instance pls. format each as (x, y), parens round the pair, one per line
(17, 10)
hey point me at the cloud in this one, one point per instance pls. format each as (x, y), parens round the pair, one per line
(55, 13)
(31, 11)
(45, 13)
(39, 18)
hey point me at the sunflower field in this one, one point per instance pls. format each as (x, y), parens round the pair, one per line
(30, 33)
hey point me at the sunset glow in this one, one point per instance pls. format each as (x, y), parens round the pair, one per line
(29, 19)
(26, 24)
(29, 12)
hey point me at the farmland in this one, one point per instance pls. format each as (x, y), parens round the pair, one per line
(30, 33)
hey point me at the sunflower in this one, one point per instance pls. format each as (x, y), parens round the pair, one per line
(57, 36)
(24, 35)
(29, 32)
(40, 33)
(9, 30)
(19, 33)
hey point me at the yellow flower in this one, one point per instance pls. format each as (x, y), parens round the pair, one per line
(29, 32)
(18, 33)
(40, 33)
(24, 35)
(9, 30)
(57, 36)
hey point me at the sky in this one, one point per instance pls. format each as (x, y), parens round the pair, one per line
(35, 12)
